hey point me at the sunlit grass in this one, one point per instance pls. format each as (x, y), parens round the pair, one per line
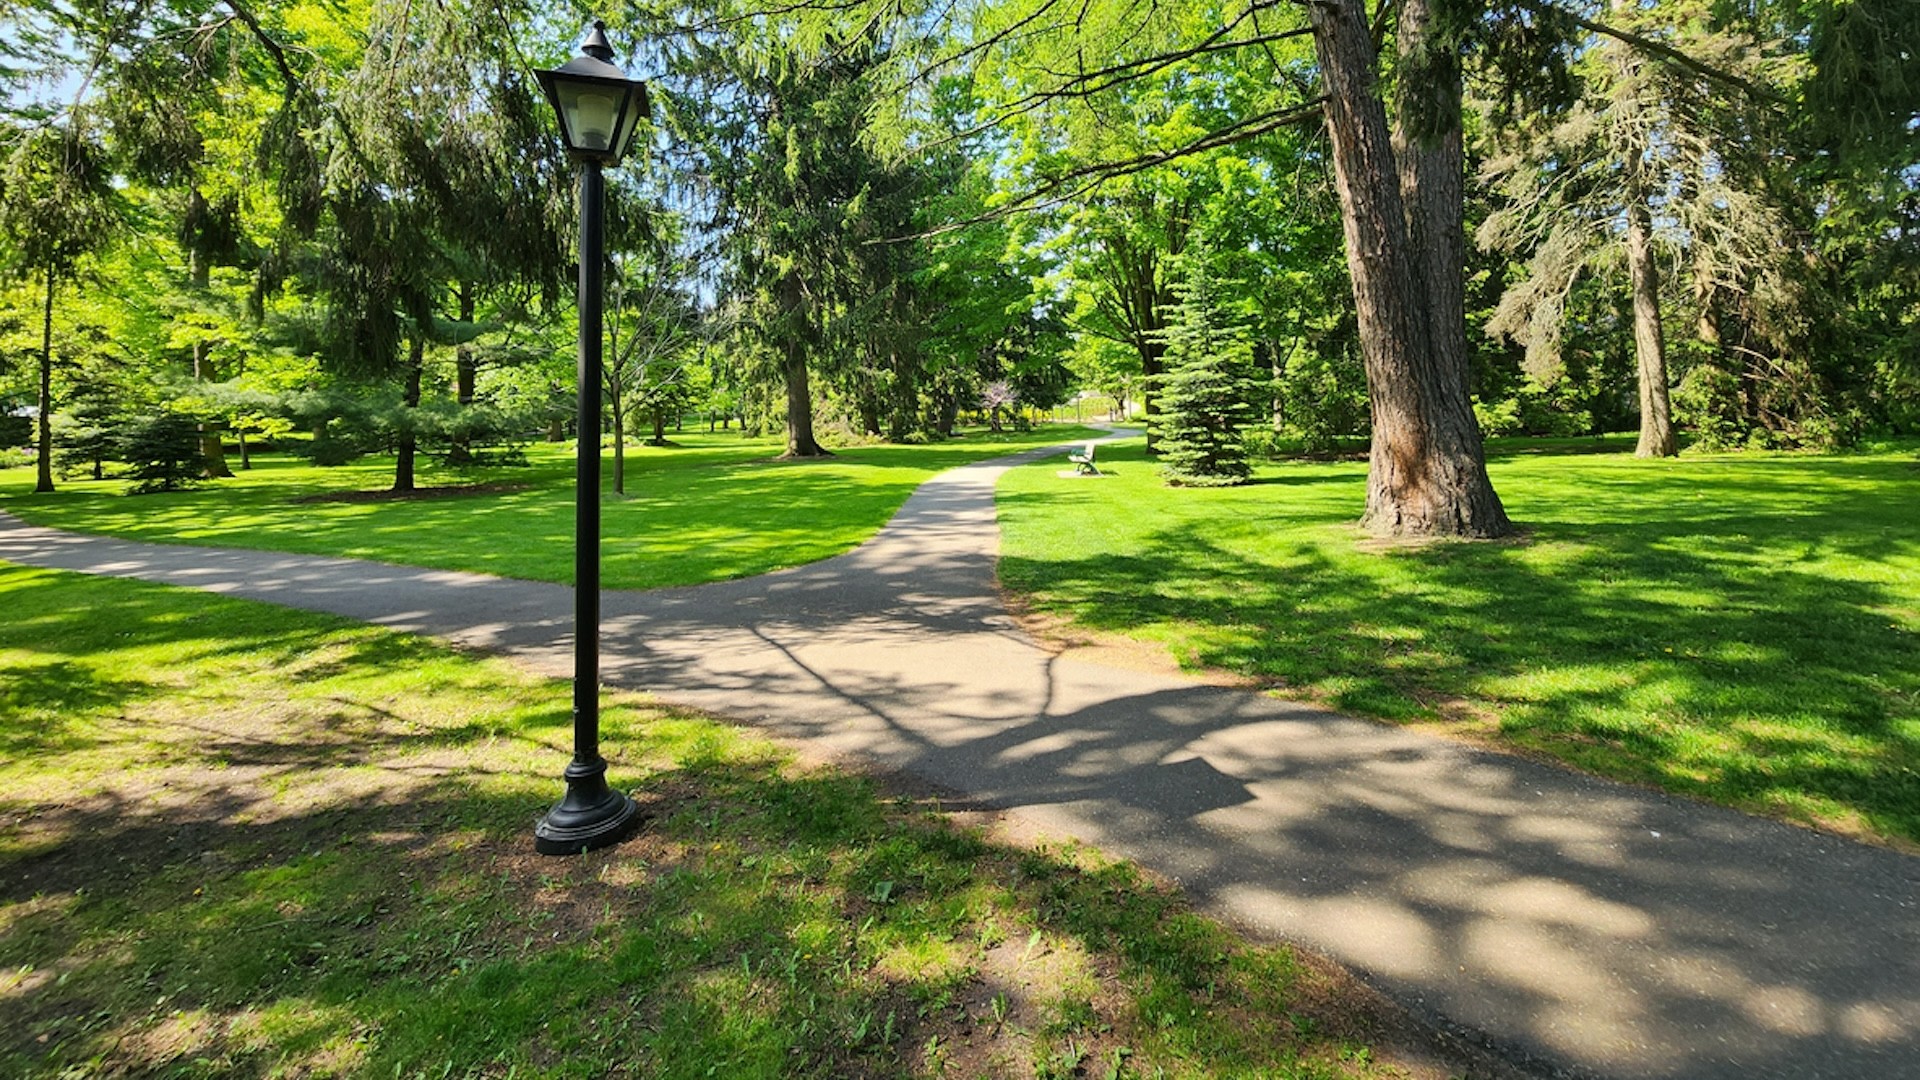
(238, 840)
(1741, 628)
(711, 508)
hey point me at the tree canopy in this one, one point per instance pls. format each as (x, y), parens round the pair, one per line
(1424, 222)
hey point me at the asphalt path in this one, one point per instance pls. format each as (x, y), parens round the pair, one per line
(1581, 926)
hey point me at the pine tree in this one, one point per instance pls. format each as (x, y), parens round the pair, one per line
(1208, 392)
(163, 452)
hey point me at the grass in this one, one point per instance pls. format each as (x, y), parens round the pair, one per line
(1743, 629)
(245, 841)
(713, 508)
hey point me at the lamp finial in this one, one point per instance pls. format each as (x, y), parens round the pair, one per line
(596, 44)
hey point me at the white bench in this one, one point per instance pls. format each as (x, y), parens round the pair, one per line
(1083, 461)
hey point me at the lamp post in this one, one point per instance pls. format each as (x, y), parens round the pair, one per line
(599, 109)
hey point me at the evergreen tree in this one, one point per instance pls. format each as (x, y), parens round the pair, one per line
(57, 206)
(163, 452)
(1208, 393)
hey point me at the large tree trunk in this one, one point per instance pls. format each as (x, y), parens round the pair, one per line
(403, 462)
(464, 370)
(800, 440)
(1427, 148)
(43, 474)
(1649, 341)
(1649, 344)
(465, 367)
(946, 413)
(1427, 475)
(199, 275)
(904, 396)
(213, 451)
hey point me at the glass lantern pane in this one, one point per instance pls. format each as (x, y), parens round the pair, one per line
(590, 112)
(630, 124)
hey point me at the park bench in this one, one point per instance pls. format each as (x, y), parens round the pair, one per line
(1083, 461)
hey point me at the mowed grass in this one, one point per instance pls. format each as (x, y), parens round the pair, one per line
(1744, 629)
(711, 508)
(241, 840)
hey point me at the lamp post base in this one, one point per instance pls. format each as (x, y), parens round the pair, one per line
(591, 815)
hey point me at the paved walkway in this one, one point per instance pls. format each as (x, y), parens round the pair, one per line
(1600, 928)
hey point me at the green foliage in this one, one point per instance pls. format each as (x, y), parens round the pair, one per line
(776, 514)
(915, 204)
(162, 451)
(1321, 391)
(1744, 629)
(87, 437)
(351, 421)
(15, 430)
(59, 202)
(772, 919)
(1552, 410)
(1208, 393)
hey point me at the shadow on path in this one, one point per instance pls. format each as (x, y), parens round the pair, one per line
(1603, 929)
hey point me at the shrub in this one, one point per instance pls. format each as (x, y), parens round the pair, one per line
(162, 451)
(15, 430)
(329, 450)
(86, 438)
(1323, 397)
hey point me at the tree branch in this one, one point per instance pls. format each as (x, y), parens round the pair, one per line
(1048, 194)
(1123, 73)
(274, 49)
(1656, 48)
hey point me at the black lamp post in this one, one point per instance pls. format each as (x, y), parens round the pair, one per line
(599, 111)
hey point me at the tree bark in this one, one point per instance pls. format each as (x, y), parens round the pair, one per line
(616, 401)
(200, 275)
(1706, 296)
(1427, 475)
(213, 451)
(800, 440)
(43, 474)
(464, 370)
(403, 462)
(465, 367)
(1649, 343)
(1427, 148)
(946, 413)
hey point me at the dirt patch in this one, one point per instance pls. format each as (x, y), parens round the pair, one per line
(1379, 545)
(450, 491)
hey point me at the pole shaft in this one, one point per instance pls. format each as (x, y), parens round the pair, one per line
(586, 535)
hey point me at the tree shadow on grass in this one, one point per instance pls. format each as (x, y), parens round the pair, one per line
(1691, 664)
(406, 928)
(40, 701)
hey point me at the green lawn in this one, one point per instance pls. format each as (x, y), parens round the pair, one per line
(715, 507)
(240, 840)
(1739, 628)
